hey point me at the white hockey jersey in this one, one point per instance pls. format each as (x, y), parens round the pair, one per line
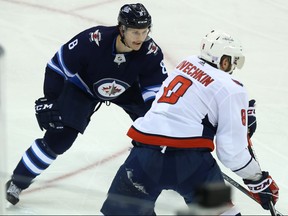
(197, 105)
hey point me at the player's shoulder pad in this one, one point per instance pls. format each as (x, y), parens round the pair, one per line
(97, 33)
(151, 47)
(95, 36)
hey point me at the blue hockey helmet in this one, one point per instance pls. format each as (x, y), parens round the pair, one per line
(134, 16)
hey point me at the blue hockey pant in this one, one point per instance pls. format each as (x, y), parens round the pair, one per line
(148, 171)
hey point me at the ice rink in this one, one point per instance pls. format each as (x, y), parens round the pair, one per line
(31, 31)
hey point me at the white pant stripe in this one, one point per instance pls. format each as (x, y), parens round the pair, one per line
(43, 157)
(30, 165)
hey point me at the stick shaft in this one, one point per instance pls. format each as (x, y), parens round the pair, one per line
(238, 186)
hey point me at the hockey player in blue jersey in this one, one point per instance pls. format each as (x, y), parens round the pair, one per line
(117, 64)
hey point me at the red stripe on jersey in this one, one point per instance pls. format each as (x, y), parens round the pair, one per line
(174, 142)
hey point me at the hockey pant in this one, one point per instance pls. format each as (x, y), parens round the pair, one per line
(146, 172)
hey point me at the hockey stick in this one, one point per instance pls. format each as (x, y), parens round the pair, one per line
(272, 209)
(252, 152)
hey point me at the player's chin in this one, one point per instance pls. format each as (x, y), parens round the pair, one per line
(137, 46)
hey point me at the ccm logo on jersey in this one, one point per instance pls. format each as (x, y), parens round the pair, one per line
(108, 89)
(95, 36)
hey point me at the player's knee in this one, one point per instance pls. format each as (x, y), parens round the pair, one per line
(45, 148)
(59, 142)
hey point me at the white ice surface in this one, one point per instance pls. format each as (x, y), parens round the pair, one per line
(31, 32)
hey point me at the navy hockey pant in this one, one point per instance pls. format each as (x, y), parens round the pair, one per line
(147, 171)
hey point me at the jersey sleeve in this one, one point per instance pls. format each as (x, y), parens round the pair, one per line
(231, 136)
(53, 84)
(72, 59)
(154, 73)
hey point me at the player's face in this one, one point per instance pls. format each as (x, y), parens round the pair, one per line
(134, 38)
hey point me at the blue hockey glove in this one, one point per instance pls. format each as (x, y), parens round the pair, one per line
(48, 115)
(252, 123)
(264, 190)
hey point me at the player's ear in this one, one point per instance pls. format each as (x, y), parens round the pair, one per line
(122, 29)
(225, 63)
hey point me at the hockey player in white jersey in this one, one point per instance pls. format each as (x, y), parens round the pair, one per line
(199, 108)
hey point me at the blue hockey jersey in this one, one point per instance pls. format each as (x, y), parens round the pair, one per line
(89, 60)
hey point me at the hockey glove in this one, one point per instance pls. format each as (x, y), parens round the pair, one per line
(48, 115)
(252, 123)
(264, 190)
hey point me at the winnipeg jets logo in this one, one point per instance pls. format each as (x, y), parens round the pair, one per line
(152, 48)
(108, 89)
(95, 36)
(112, 89)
